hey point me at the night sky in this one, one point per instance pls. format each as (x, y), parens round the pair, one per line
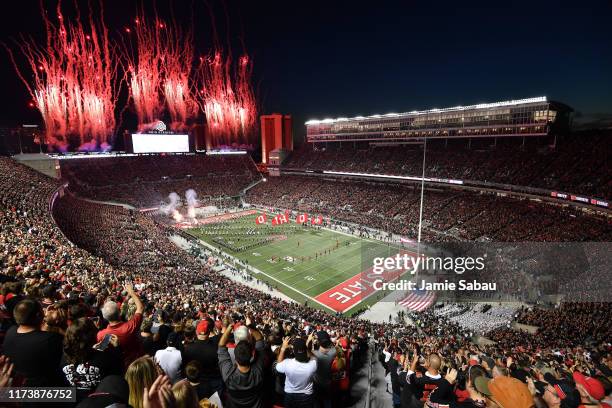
(317, 59)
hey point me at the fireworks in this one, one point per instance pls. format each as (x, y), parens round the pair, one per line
(144, 70)
(227, 98)
(74, 81)
(176, 66)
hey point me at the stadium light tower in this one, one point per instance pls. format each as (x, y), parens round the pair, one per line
(422, 191)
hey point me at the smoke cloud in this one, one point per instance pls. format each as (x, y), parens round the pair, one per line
(170, 208)
(192, 200)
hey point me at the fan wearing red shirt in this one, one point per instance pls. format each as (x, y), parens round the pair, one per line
(127, 332)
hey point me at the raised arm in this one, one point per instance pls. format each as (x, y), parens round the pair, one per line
(281, 355)
(225, 338)
(139, 305)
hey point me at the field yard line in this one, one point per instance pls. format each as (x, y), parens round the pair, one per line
(317, 265)
(331, 277)
(271, 277)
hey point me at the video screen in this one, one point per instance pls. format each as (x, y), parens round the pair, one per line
(160, 143)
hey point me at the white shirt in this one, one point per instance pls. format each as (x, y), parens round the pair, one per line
(170, 360)
(298, 376)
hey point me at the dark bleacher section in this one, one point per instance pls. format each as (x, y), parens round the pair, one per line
(447, 214)
(580, 162)
(145, 181)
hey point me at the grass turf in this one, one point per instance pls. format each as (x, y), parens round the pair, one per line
(321, 258)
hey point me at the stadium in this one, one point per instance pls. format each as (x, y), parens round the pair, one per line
(193, 248)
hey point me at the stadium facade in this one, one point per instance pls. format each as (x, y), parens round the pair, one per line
(525, 117)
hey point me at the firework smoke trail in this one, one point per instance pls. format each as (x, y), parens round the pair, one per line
(227, 98)
(176, 66)
(144, 69)
(75, 85)
(159, 67)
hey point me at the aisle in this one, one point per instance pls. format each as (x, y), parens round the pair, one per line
(379, 396)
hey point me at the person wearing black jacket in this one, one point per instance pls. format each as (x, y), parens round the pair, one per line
(35, 354)
(444, 394)
(205, 351)
(394, 370)
(417, 386)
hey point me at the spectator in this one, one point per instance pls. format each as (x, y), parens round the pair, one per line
(169, 359)
(340, 377)
(126, 332)
(146, 337)
(299, 372)
(56, 319)
(205, 351)
(35, 354)
(113, 390)
(161, 330)
(84, 363)
(193, 374)
(185, 395)
(419, 387)
(140, 376)
(325, 355)
(244, 378)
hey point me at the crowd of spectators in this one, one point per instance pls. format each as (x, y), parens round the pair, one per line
(536, 164)
(146, 181)
(478, 318)
(131, 319)
(447, 215)
(148, 300)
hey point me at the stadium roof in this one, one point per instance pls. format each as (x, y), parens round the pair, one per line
(434, 110)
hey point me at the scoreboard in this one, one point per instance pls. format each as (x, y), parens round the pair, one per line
(160, 143)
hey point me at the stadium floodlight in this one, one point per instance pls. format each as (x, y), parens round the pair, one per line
(514, 102)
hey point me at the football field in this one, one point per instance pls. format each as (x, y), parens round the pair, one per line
(328, 269)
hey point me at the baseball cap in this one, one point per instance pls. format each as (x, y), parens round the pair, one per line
(592, 385)
(299, 347)
(205, 326)
(113, 390)
(173, 339)
(241, 333)
(321, 335)
(569, 396)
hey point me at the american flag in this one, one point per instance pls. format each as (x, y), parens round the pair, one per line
(418, 300)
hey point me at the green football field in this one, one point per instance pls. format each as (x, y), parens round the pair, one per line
(302, 262)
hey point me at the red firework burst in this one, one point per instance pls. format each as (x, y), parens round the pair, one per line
(143, 55)
(176, 66)
(159, 64)
(227, 99)
(74, 81)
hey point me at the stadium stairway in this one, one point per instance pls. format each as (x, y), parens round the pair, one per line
(370, 388)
